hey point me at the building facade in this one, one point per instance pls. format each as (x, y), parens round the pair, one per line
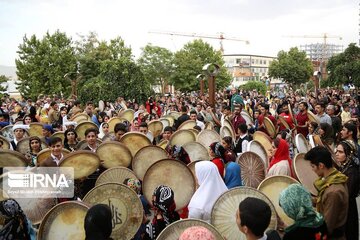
(245, 67)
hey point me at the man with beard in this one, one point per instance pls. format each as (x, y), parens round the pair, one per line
(320, 113)
(287, 117)
(237, 119)
(264, 109)
(302, 119)
(236, 99)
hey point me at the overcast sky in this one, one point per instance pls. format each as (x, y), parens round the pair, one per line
(265, 23)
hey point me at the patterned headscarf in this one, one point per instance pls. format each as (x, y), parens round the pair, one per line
(197, 233)
(165, 203)
(164, 199)
(134, 184)
(218, 149)
(296, 202)
(15, 225)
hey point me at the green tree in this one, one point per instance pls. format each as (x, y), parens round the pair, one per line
(345, 67)
(109, 71)
(157, 65)
(189, 61)
(251, 85)
(42, 64)
(292, 66)
(3, 79)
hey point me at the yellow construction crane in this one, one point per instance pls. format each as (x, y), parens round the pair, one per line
(195, 35)
(324, 59)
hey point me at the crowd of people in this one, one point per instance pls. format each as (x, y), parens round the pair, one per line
(328, 120)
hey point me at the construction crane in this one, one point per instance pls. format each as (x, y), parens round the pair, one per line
(324, 59)
(195, 35)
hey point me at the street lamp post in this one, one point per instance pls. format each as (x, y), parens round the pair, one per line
(201, 78)
(211, 70)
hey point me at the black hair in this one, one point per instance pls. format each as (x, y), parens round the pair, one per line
(193, 112)
(98, 222)
(348, 149)
(197, 128)
(143, 124)
(184, 109)
(266, 106)
(120, 127)
(319, 154)
(351, 127)
(315, 125)
(305, 104)
(89, 130)
(228, 140)
(54, 140)
(243, 128)
(226, 107)
(52, 103)
(321, 103)
(255, 214)
(168, 129)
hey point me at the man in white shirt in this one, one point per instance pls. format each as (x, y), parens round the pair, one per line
(56, 156)
(243, 140)
(19, 132)
(193, 116)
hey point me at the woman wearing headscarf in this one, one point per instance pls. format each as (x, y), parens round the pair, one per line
(211, 186)
(197, 233)
(280, 164)
(216, 152)
(326, 134)
(296, 202)
(135, 185)
(346, 156)
(103, 130)
(34, 149)
(70, 139)
(163, 201)
(229, 155)
(15, 224)
(232, 175)
(97, 224)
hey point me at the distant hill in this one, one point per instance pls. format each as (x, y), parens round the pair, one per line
(8, 71)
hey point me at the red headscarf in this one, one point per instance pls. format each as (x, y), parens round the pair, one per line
(282, 153)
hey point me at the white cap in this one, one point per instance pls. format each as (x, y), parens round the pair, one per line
(20, 126)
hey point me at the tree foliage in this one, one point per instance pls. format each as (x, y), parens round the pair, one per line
(344, 68)
(109, 71)
(157, 65)
(251, 85)
(3, 79)
(42, 64)
(189, 61)
(292, 66)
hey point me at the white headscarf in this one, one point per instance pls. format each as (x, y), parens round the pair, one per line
(101, 131)
(211, 186)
